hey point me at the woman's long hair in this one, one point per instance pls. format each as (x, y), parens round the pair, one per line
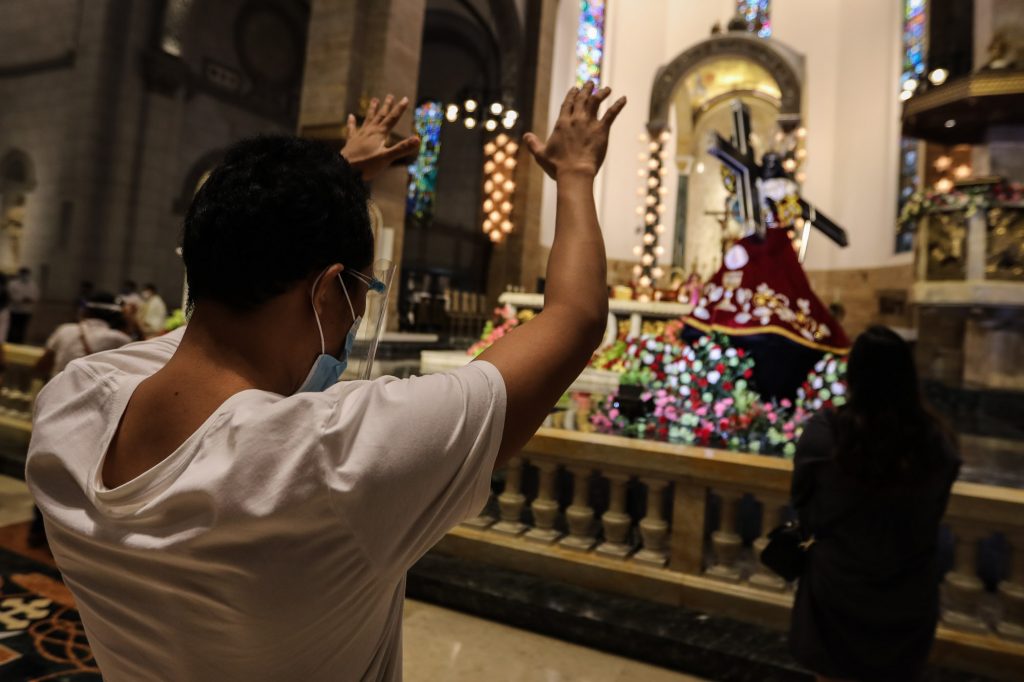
(5, 296)
(886, 431)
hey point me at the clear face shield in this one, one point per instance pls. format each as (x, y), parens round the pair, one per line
(374, 319)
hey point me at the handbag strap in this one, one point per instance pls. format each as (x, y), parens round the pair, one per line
(85, 341)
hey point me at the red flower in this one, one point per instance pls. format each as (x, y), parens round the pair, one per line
(748, 373)
(702, 382)
(727, 385)
(720, 367)
(740, 352)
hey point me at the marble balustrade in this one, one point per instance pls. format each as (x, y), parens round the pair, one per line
(686, 510)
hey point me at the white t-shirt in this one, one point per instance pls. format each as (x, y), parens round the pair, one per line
(273, 544)
(67, 345)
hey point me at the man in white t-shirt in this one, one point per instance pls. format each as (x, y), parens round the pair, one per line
(94, 333)
(218, 505)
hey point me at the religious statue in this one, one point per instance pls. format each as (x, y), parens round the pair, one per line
(760, 297)
(1006, 49)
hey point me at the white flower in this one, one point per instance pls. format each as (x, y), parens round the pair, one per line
(817, 383)
(698, 365)
(647, 358)
(715, 355)
(684, 390)
(713, 377)
(651, 345)
(742, 318)
(838, 388)
(730, 352)
(701, 313)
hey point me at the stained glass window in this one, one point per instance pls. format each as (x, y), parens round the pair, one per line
(915, 39)
(915, 48)
(757, 14)
(423, 171)
(590, 41)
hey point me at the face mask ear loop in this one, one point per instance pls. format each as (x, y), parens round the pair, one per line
(316, 315)
(344, 290)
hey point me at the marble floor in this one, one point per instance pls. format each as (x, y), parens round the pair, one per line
(447, 646)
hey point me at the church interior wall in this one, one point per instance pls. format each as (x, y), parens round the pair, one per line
(110, 152)
(851, 112)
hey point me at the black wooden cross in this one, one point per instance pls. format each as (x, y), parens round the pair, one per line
(738, 156)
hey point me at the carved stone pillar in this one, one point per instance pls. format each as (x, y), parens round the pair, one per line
(772, 516)
(963, 589)
(726, 541)
(654, 527)
(545, 507)
(616, 522)
(511, 500)
(580, 515)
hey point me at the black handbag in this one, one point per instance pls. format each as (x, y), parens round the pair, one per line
(786, 552)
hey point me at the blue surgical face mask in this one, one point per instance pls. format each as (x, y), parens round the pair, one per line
(327, 369)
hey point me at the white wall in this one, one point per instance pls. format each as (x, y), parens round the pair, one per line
(851, 110)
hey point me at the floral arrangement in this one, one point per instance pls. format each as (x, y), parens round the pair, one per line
(702, 394)
(971, 200)
(504, 321)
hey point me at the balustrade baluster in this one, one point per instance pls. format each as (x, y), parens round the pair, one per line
(580, 515)
(654, 527)
(483, 519)
(1011, 592)
(545, 507)
(764, 577)
(726, 541)
(512, 500)
(963, 589)
(615, 522)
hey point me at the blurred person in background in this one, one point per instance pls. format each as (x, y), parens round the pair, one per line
(23, 293)
(152, 314)
(100, 327)
(870, 485)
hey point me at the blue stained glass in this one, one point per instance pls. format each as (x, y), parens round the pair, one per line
(757, 14)
(423, 171)
(590, 41)
(914, 39)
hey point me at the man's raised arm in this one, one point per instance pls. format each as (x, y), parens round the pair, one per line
(539, 360)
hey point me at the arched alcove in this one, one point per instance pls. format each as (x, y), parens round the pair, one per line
(690, 97)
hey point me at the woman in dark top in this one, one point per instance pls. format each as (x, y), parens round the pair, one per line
(871, 483)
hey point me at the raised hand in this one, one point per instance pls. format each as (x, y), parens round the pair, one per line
(366, 148)
(580, 138)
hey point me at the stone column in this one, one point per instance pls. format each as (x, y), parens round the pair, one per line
(963, 589)
(511, 500)
(654, 527)
(1011, 592)
(772, 516)
(520, 258)
(359, 49)
(545, 507)
(580, 515)
(616, 522)
(726, 541)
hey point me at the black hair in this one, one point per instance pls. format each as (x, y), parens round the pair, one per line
(5, 296)
(101, 306)
(278, 209)
(887, 433)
